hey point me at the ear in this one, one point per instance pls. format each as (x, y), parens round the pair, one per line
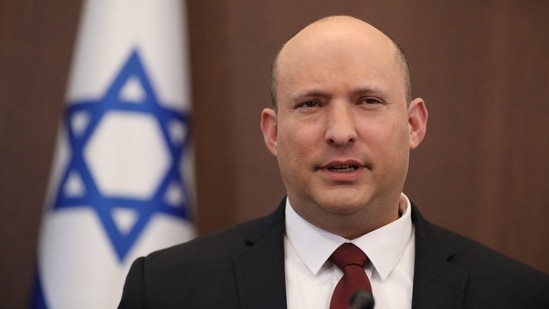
(417, 121)
(269, 127)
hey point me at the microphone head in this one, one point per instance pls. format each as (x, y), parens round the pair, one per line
(361, 299)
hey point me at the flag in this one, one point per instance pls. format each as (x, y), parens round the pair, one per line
(122, 181)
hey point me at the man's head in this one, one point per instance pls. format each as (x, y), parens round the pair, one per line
(344, 124)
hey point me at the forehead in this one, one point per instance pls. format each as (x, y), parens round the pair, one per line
(347, 51)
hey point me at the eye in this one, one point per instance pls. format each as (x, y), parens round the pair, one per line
(370, 100)
(310, 104)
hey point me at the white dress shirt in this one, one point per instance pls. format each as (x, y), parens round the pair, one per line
(311, 278)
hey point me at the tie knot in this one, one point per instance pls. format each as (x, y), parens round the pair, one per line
(348, 254)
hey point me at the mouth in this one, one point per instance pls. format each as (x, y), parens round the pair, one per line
(343, 166)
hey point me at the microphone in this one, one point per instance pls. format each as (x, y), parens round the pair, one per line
(361, 299)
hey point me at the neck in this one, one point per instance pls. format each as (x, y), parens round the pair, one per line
(351, 225)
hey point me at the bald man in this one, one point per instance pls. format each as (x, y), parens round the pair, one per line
(342, 126)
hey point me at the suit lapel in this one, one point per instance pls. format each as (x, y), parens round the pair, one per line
(437, 282)
(261, 279)
(260, 268)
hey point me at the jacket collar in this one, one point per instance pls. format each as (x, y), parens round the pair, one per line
(437, 282)
(260, 270)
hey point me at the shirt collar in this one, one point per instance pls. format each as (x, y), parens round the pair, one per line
(384, 246)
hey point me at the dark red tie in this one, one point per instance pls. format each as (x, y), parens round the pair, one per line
(351, 260)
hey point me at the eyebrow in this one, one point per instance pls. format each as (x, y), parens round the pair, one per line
(316, 93)
(309, 93)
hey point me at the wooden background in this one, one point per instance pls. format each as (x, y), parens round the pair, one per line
(481, 66)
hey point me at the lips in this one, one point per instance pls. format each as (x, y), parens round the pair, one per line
(343, 168)
(347, 166)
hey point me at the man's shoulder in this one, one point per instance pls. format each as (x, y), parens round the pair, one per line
(462, 250)
(489, 273)
(474, 255)
(201, 272)
(487, 278)
(219, 246)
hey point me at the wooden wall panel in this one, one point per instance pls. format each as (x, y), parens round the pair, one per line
(36, 41)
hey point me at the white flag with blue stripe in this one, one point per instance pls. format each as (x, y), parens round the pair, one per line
(122, 178)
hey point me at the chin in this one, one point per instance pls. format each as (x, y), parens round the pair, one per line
(343, 205)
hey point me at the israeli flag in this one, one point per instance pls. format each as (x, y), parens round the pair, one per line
(122, 178)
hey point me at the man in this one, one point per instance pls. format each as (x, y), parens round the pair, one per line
(342, 127)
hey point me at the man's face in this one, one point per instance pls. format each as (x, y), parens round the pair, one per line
(341, 133)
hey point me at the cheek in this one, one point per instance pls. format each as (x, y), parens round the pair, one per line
(297, 148)
(291, 159)
(387, 141)
(296, 139)
(397, 149)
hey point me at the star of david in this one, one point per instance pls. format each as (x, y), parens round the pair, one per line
(79, 175)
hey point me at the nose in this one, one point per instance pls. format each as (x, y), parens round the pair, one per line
(340, 125)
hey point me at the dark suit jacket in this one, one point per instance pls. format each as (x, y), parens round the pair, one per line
(243, 267)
